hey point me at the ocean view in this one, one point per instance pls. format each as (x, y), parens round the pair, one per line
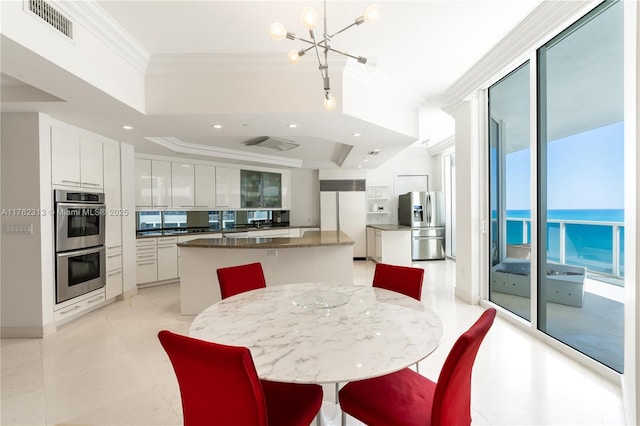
(587, 242)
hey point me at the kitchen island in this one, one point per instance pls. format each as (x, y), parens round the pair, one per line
(389, 243)
(316, 256)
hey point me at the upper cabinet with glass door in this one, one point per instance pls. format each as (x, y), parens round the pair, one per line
(260, 189)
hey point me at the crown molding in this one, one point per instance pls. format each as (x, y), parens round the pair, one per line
(181, 147)
(95, 20)
(435, 148)
(534, 30)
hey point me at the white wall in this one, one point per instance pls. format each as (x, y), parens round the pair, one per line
(305, 198)
(468, 178)
(413, 160)
(101, 53)
(27, 260)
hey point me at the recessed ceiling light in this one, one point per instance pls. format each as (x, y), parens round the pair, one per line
(365, 160)
(292, 126)
(355, 135)
(127, 127)
(217, 126)
(359, 166)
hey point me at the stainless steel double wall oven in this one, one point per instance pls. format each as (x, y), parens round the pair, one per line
(79, 239)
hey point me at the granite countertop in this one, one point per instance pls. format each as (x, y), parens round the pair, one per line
(390, 227)
(309, 239)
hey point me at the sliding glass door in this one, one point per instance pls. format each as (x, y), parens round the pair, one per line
(577, 182)
(510, 192)
(580, 185)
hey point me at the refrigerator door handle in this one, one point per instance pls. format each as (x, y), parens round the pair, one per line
(429, 208)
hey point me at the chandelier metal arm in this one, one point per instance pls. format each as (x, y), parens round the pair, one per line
(278, 32)
(345, 29)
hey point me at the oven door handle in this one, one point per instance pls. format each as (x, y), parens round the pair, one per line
(81, 205)
(81, 252)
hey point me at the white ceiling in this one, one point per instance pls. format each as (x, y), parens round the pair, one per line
(422, 47)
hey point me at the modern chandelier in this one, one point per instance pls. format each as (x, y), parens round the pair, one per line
(322, 46)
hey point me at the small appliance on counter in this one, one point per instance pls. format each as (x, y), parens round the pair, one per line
(424, 213)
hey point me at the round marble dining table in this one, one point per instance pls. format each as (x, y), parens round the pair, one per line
(319, 333)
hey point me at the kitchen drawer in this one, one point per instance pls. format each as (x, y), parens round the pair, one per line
(114, 284)
(145, 242)
(146, 256)
(146, 271)
(114, 261)
(166, 240)
(79, 306)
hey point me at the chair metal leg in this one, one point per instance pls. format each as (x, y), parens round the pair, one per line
(343, 419)
(337, 389)
(417, 368)
(318, 419)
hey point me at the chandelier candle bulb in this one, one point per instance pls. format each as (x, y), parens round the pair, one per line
(277, 31)
(321, 45)
(309, 19)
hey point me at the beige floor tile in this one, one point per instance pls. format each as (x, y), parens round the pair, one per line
(108, 368)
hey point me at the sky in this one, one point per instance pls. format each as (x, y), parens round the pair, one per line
(585, 171)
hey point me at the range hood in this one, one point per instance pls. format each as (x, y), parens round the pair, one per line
(272, 143)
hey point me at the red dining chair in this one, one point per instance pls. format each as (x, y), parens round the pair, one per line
(238, 279)
(409, 399)
(219, 385)
(403, 279)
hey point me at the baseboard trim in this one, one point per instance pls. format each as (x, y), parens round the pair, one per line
(35, 332)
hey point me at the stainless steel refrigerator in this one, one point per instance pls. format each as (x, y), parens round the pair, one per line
(424, 213)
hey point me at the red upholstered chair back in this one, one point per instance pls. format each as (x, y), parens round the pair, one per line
(218, 383)
(403, 279)
(452, 398)
(238, 279)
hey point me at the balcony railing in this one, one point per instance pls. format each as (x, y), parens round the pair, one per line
(596, 245)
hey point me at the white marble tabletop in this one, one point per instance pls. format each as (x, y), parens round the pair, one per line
(367, 332)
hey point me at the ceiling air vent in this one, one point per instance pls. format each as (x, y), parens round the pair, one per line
(272, 143)
(374, 152)
(52, 16)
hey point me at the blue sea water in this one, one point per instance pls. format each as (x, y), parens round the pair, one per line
(586, 244)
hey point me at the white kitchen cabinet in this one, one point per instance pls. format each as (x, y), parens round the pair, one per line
(227, 188)
(205, 186)
(277, 232)
(182, 185)
(146, 260)
(167, 258)
(75, 160)
(143, 183)
(160, 183)
(294, 232)
(77, 306)
(113, 220)
(286, 190)
(112, 196)
(153, 183)
(391, 246)
(65, 157)
(378, 246)
(371, 243)
(114, 273)
(91, 163)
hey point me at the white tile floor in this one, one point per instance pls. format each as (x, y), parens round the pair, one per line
(107, 368)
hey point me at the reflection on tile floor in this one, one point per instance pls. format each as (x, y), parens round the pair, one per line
(107, 368)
